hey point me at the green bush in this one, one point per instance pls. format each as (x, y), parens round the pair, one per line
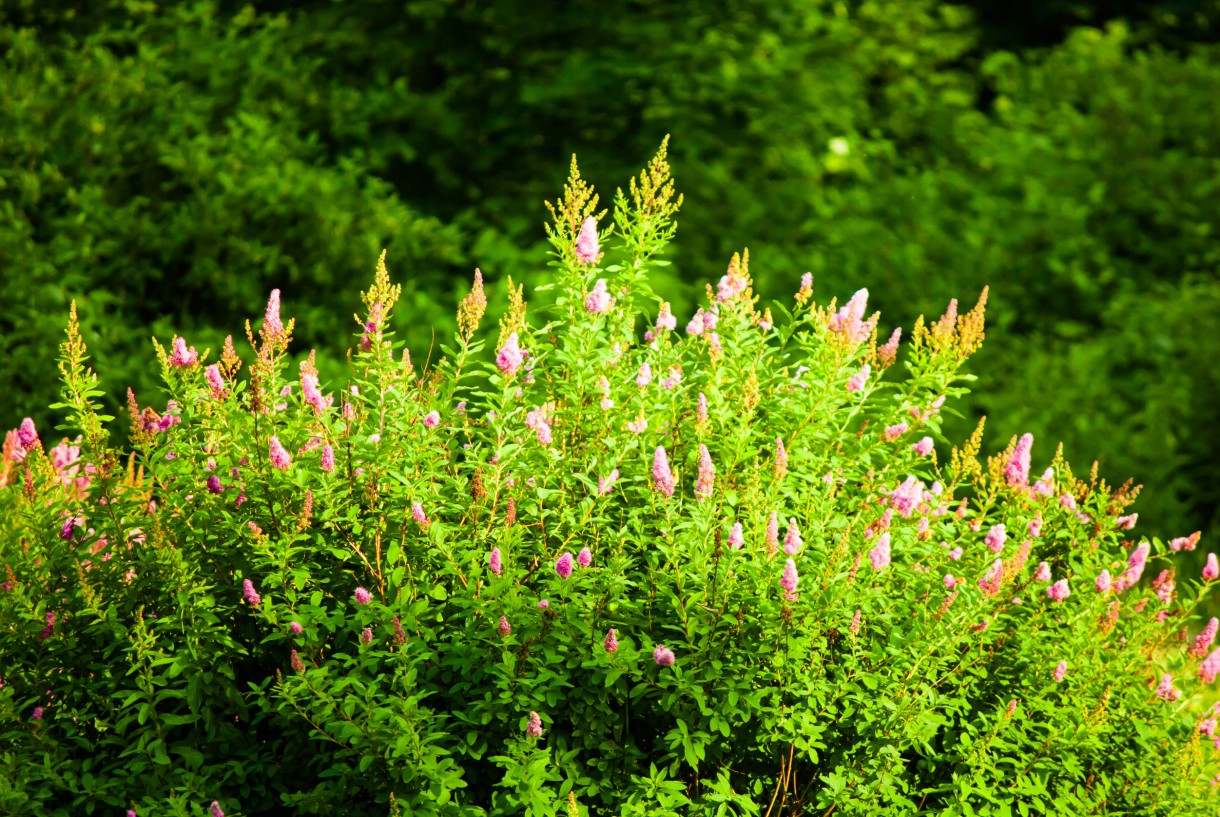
(553, 582)
(173, 163)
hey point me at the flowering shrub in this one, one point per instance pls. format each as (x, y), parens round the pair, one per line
(545, 574)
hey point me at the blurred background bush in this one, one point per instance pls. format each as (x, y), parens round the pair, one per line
(168, 163)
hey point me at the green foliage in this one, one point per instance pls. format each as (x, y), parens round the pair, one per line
(362, 595)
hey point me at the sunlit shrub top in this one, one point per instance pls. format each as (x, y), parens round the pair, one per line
(599, 559)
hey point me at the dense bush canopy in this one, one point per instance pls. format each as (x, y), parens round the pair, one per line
(711, 566)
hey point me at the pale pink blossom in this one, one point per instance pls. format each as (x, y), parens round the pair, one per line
(924, 447)
(662, 476)
(707, 474)
(510, 357)
(587, 247)
(663, 655)
(880, 554)
(599, 300)
(1059, 590)
(792, 539)
(859, 379)
(1061, 671)
(736, 537)
(789, 580)
(995, 538)
(1017, 470)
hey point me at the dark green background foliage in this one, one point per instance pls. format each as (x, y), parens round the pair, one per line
(169, 163)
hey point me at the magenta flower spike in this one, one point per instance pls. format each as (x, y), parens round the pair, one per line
(663, 655)
(27, 434)
(611, 642)
(1103, 582)
(280, 458)
(181, 356)
(362, 596)
(504, 628)
(924, 447)
(328, 459)
(584, 558)
(1211, 571)
(251, 595)
(494, 563)
(563, 565)
(1061, 671)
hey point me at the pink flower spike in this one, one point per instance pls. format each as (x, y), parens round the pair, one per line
(584, 558)
(611, 642)
(1035, 525)
(1166, 691)
(418, 514)
(432, 419)
(504, 628)
(251, 595)
(510, 357)
(587, 246)
(880, 554)
(1126, 522)
(859, 379)
(494, 562)
(789, 580)
(772, 539)
(272, 328)
(280, 458)
(1205, 639)
(955, 554)
(736, 538)
(27, 434)
(707, 474)
(1103, 582)
(1059, 590)
(599, 300)
(663, 655)
(1209, 667)
(1211, 570)
(563, 565)
(362, 596)
(534, 728)
(1017, 471)
(924, 447)
(1061, 671)
(950, 581)
(792, 539)
(1043, 572)
(366, 637)
(662, 476)
(216, 381)
(182, 356)
(995, 539)
(328, 459)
